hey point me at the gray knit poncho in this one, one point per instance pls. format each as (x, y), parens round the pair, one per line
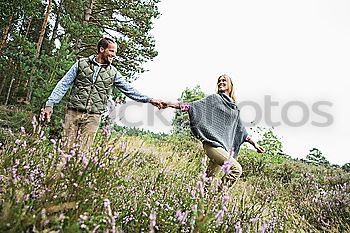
(215, 119)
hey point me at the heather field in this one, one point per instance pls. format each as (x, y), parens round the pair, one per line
(141, 184)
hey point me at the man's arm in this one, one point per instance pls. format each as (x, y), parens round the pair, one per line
(59, 91)
(134, 94)
(128, 90)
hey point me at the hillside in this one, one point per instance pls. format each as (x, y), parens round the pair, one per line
(140, 184)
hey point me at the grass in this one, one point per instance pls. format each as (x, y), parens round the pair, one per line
(132, 184)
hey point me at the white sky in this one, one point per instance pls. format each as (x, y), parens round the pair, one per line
(290, 50)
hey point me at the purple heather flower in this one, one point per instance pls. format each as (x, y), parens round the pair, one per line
(204, 160)
(83, 217)
(17, 141)
(193, 192)
(225, 199)
(254, 219)
(67, 157)
(61, 217)
(219, 217)
(194, 208)
(85, 160)
(238, 228)
(200, 187)
(263, 228)
(10, 132)
(227, 166)
(152, 219)
(34, 122)
(182, 217)
(95, 229)
(14, 150)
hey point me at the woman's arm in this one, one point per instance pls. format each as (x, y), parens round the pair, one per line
(184, 107)
(256, 146)
(173, 105)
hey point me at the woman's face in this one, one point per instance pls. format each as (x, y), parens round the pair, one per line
(223, 85)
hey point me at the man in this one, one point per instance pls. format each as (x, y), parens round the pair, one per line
(93, 79)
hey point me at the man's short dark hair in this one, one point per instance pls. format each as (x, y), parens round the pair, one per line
(104, 42)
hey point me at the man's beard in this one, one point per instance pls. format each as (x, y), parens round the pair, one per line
(105, 59)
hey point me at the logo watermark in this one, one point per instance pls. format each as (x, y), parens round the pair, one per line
(293, 113)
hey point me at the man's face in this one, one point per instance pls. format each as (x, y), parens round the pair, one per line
(108, 53)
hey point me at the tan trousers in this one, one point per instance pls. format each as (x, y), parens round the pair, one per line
(218, 156)
(80, 128)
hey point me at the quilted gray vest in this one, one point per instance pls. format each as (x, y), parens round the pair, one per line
(88, 96)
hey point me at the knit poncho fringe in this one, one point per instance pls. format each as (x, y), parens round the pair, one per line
(215, 119)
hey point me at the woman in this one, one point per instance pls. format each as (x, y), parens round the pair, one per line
(215, 121)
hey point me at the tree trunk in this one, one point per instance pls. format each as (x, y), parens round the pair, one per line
(88, 12)
(9, 91)
(87, 16)
(58, 17)
(6, 33)
(28, 27)
(43, 29)
(10, 87)
(38, 48)
(5, 76)
(3, 84)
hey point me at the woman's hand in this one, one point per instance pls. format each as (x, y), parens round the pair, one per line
(259, 149)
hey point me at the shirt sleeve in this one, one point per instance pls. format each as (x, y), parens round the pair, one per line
(62, 86)
(128, 90)
(184, 107)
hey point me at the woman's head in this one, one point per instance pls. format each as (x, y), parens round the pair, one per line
(225, 85)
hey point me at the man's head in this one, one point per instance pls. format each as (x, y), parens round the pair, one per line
(106, 49)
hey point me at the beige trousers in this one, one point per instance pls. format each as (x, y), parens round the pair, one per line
(218, 156)
(80, 128)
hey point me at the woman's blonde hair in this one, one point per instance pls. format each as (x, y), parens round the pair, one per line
(230, 87)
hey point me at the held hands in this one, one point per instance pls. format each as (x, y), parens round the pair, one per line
(160, 104)
(46, 113)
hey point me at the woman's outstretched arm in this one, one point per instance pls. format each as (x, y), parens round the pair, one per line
(173, 105)
(184, 107)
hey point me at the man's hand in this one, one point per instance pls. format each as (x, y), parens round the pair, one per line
(158, 103)
(46, 113)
